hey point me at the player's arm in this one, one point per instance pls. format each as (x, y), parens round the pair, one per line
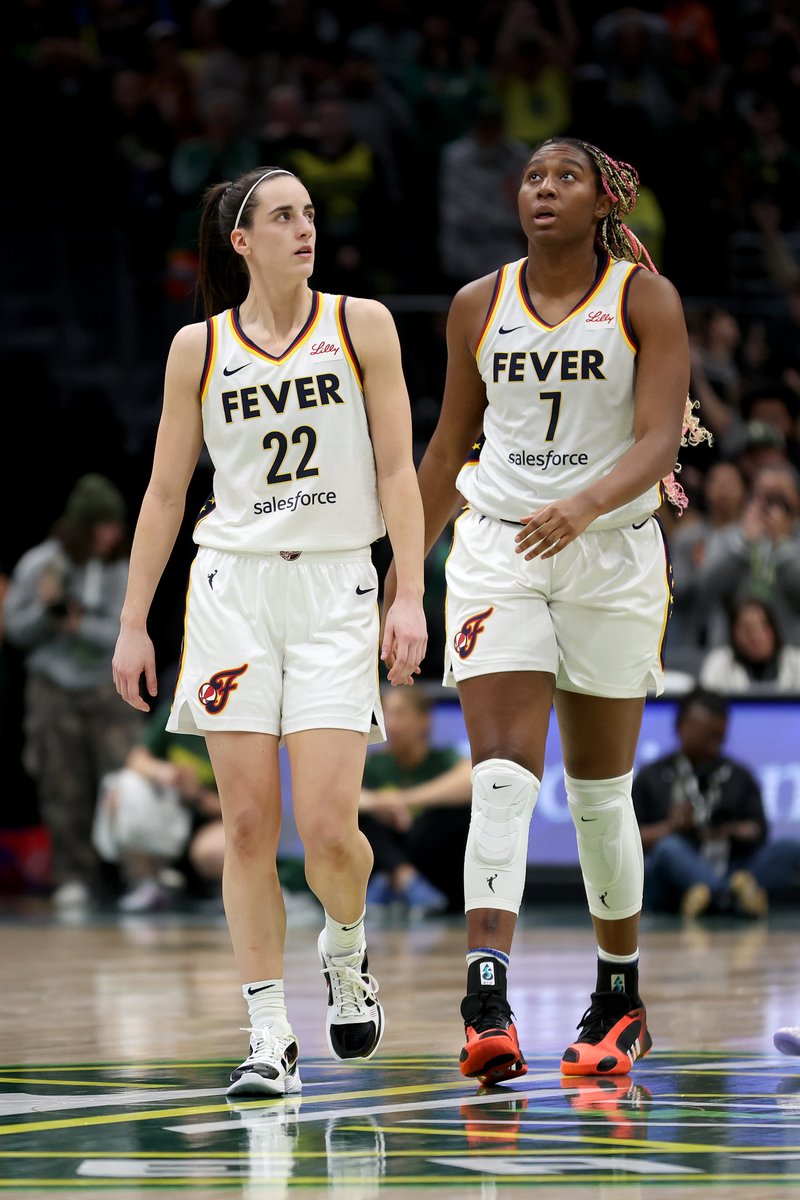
(662, 384)
(178, 445)
(451, 789)
(389, 414)
(461, 416)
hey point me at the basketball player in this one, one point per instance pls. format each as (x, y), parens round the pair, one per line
(300, 398)
(573, 363)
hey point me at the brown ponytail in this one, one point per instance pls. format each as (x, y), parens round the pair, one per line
(222, 277)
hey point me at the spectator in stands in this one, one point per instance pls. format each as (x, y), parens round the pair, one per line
(760, 445)
(478, 218)
(390, 39)
(703, 826)
(776, 405)
(63, 607)
(686, 535)
(444, 83)
(415, 806)
(379, 116)
(221, 151)
(531, 71)
(633, 47)
(760, 556)
(717, 342)
(161, 808)
(343, 175)
(169, 82)
(286, 127)
(725, 493)
(756, 658)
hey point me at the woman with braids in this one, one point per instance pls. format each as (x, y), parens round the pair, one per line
(300, 398)
(566, 391)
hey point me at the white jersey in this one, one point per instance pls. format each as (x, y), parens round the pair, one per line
(560, 399)
(294, 467)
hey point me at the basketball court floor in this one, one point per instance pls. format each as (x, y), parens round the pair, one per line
(117, 1037)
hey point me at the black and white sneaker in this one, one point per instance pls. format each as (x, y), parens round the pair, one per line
(271, 1067)
(355, 1022)
(356, 1158)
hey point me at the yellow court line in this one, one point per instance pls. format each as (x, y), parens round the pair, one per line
(580, 1139)
(206, 1109)
(102, 1083)
(16, 1068)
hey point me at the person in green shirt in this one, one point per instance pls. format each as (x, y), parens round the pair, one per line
(414, 810)
(161, 810)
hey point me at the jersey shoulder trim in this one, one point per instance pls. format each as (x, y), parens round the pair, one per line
(493, 305)
(348, 348)
(212, 344)
(624, 319)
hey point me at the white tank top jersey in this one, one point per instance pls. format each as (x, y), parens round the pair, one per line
(560, 399)
(294, 467)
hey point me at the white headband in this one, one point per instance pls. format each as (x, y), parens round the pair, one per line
(252, 189)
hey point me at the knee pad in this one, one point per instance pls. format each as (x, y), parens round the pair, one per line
(503, 799)
(609, 844)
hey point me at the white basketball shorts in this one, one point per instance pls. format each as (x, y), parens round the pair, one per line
(595, 615)
(277, 645)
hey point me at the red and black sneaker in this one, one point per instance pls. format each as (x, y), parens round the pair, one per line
(613, 1034)
(486, 1125)
(491, 1053)
(619, 1102)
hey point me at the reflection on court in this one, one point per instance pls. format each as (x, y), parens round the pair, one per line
(693, 1119)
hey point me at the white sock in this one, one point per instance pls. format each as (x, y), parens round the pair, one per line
(266, 1004)
(617, 958)
(342, 939)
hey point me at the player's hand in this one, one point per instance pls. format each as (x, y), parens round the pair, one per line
(553, 527)
(681, 817)
(134, 656)
(405, 638)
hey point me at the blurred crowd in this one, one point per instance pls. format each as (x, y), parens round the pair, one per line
(410, 124)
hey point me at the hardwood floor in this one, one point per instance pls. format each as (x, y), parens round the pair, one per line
(117, 1036)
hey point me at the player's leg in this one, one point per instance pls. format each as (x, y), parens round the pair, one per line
(598, 737)
(327, 769)
(248, 781)
(506, 716)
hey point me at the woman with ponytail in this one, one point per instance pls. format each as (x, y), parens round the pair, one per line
(564, 406)
(300, 399)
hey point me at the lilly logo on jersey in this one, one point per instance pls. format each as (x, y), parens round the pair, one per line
(602, 317)
(214, 694)
(326, 348)
(465, 639)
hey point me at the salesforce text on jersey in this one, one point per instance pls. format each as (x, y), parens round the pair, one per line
(551, 458)
(292, 503)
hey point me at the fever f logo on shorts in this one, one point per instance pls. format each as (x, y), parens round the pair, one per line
(464, 641)
(214, 694)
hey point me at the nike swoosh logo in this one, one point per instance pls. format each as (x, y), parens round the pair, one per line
(514, 330)
(495, 786)
(363, 591)
(590, 818)
(265, 988)
(347, 928)
(233, 371)
(641, 523)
